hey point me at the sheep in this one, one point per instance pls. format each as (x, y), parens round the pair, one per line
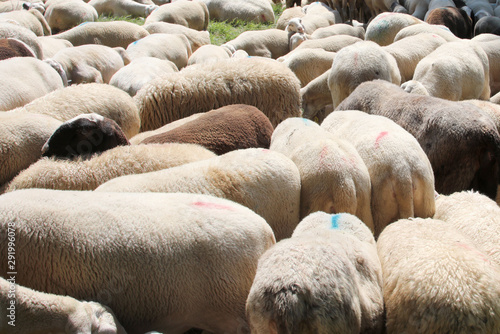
(208, 54)
(456, 19)
(24, 79)
(83, 136)
(31, 19)
(22, 137)
(339, 29)
(13, 47)
(192, 14)
(196, 38)
(139, 72)
(173, 47)
(112, 34)
(492, 109)
(332, 44)
(157, 260)
(270, 43)
(436, 281)
(11, 5)
(426, 28)
(476, 216)
(287, 14)
(401, 175)
(316, 96)
(326, 278)
(308, 64)
(64, 15)
(460, 140)
(487, 25)
(251, 184)
(454, 71)
(258, 11)
(103, 99)
(80, 174)
(492, 49)
(480, 9)
(319, 15)
(30, 311)
(357, 63)
(122, 8)
(334, 177)
(410, 50)
(384, 27)
(266, 84)
(91, 63)
(50, 46)
(11, 30)
(373, 8)
(222, 130)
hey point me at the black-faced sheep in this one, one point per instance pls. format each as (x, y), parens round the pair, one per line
(222, 130)
(264, 83)
(249, 177)
(474, 215)
(112, 34)
(461, 141)
(84, 136)
(88, 174)
(103, 99)
(400, 172)
(326, 278)
(436, 281)
(22, 136)
(191, 14)
(30, 311)
(164, 262)
(333, 176)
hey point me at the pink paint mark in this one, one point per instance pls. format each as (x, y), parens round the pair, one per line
(379, 138)
(322, 156)
(356, 59)
(473, 249)
(209, 205)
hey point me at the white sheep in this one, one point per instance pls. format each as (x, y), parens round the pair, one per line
(31, 19)
(22, 138)
(11, 5)
(30, 311)
(122, 8)
(208, 54)
(112, 33)
(316, 96)
(384, 27)
(474, 215)
(287, 14)
(24, 79)
(492, 49)
(333, 43)
(50, 46)
(103, 99)
(88, 174)
(339, 29)
(11, 30)
(247, 176)
(173, 47)
(333, 176)
(132, 77)
(264, 83)
(308, 64)
(91, 63)
(63, 15)
(436, 281)
(423, 28)
(357, 63)
(454, 71)
(319, 15)
(192, 14)
(164, 262)
(401, 174)
(270, 43)
(259, 11)
(326, 278)
(195, 37)
(410, 50)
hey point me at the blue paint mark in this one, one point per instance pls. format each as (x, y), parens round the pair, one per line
(81, 24)
(335, 221)
(306, 121)
(134, 43)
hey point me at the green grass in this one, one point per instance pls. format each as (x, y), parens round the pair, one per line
(220, 32)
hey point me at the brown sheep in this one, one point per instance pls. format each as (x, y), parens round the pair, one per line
(222, 130)
(461, 141)
(456, 19)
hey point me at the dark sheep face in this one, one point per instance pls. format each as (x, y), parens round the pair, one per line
(83, 136)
